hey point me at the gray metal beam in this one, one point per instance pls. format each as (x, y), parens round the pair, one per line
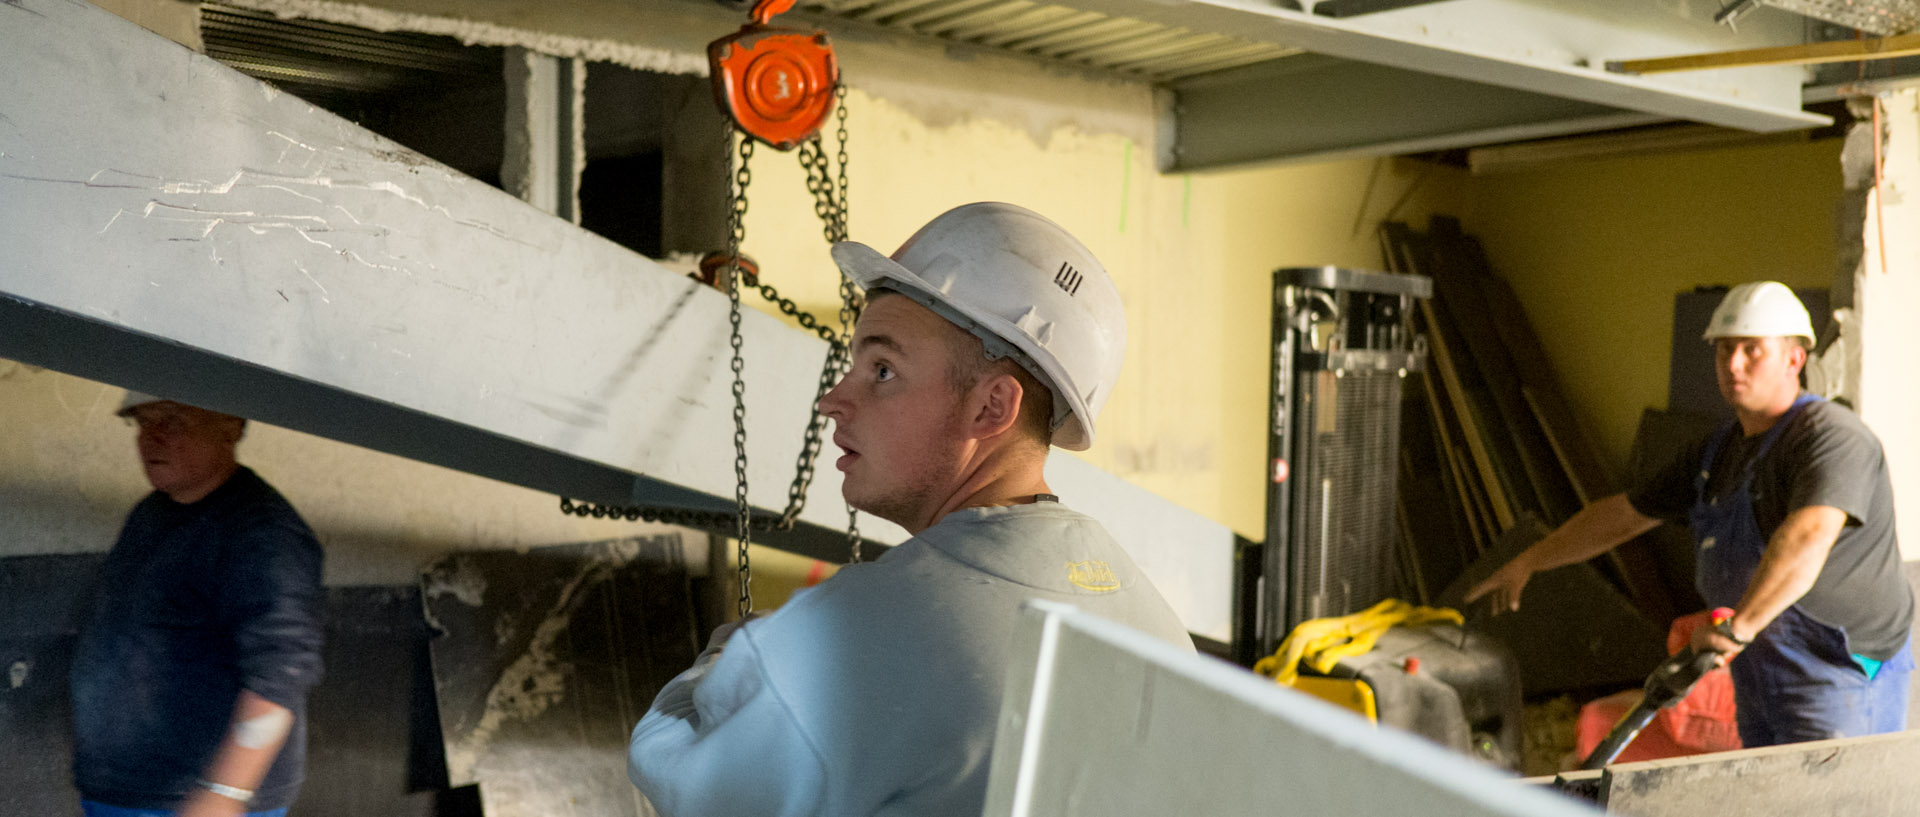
(1312, 107)
(173, 226)
(1553, 48)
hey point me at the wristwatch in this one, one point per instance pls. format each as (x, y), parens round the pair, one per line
(224, 790)
(1725, 627)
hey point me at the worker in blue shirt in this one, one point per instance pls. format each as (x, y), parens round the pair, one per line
(1792, 517)
(190, 678)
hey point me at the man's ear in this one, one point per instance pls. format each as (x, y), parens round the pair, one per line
(996, 405)
(1796, 348)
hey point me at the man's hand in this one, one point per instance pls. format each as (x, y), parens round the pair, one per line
(1708, 639)
(1596, 529)
(203, 803)
(1504, 585)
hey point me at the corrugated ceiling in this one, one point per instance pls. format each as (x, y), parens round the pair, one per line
(1126, 47)
(324, 62)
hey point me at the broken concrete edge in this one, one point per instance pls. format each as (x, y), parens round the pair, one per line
(1861, 775)
(477, 32)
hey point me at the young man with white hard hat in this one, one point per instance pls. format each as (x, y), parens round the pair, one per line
(988, 336)
(1792, 517)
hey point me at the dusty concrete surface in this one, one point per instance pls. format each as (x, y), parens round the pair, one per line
(941, 86)
(1857, 777)
(624, 34)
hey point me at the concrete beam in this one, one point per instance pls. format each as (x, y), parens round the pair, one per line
(546, 131)
(1883, 167)
(1870, 775)
(176, 227)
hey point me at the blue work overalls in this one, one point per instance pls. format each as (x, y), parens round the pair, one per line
(1798, 680)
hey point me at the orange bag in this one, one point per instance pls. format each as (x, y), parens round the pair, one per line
(1703, 722)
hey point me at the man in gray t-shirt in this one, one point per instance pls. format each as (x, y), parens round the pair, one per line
(988, 337)
(1792, 516)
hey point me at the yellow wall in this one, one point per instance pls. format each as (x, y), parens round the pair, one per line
(1597, 250)
(1192, 256)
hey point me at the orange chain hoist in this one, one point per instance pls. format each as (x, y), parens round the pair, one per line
(777, 84)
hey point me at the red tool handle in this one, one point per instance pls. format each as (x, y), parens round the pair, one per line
(1721, 614)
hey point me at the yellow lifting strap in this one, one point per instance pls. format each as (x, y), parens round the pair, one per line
(1322, 642)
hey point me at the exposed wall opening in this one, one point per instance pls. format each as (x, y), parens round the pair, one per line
(633, 123)
(433, 94)
(448, 100)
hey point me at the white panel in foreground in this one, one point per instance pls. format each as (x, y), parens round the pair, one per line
(1101, 720)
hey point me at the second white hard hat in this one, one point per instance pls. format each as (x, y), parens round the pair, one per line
(1760, 309)
(1026, 287)
(134, 400)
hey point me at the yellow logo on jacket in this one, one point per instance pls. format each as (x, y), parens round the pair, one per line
(1093, 575)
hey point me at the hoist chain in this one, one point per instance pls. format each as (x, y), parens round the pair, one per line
(850, 300)
(736, 236)
(787, 307)
(830, 204)
(712, 520)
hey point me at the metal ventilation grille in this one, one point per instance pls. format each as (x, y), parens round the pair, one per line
(330, 64)
(1344, 553)
(1130, 48)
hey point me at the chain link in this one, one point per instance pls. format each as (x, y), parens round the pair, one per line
(736, 236)
(840, 136)
(718, 521)
(849, 294)
(830, 205)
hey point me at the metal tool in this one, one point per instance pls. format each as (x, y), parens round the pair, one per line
(1667, 685)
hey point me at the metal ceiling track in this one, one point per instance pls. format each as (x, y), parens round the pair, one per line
(176, 227)
(1292, 80)
(1259, 80)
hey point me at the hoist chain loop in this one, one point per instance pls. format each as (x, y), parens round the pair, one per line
(830, 205)
(710, 520)
(849, 294)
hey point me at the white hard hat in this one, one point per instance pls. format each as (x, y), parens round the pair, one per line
(134, 400)
(1023, 285)
(1761, 309)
